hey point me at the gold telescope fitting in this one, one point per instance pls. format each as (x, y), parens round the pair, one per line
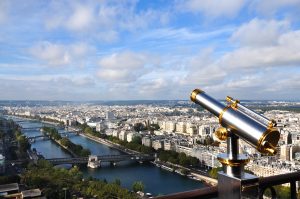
(268, 141)
(195, 93)
(233, 163)
(221, 133)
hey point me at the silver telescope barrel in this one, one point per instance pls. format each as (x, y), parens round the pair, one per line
(260, 118)
(264, 138)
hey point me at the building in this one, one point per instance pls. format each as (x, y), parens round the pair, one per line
(100, 126)
(6, 189)
(115, 133)
(162, 125)
(169, 145)
(181, 127)
(183, 149)
(2, 164)
(32, 193)
(147, 141)
(206, 157)
(109, 115)
(123, 135)
(132, 135)
(285, 152)
(170, 126)
(158, 144)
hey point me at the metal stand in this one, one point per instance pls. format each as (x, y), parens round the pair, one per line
(233, 182)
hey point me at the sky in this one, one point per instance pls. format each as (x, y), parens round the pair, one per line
(149, 49)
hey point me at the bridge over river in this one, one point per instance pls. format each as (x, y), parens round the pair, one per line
(101, 158)
(47, 136)
(84, 160)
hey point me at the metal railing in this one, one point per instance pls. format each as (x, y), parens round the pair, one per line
(269, 182)
(208, 192)
(264, 184)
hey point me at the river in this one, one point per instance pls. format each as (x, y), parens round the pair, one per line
(156, 180)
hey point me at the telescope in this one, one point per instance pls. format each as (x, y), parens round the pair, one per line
(236, 122)
(255, 129)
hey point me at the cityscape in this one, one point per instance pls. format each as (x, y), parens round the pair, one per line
(137, 99)
(178, 126)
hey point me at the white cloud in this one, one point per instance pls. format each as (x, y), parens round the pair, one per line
(212, 8)
(286, 52)
(260, 32)
(203, 70)
(48, 87)
(184, 34)
(54, 54)
(125, 66)
(267, 7)
(267, 70)
(102, 20)
(4, 5)
(81, 18)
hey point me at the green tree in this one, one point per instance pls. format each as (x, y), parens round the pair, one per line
(24, 144)
(213, 173)
(117, 182)
(137, 140)
(88, 130)
(138, 186)
(139, 127)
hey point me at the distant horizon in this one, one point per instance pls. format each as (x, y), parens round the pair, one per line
(276, 100)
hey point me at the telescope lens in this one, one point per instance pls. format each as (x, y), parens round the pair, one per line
(195, 93)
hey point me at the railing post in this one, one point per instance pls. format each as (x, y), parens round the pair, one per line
(233, 182)
(293, 190)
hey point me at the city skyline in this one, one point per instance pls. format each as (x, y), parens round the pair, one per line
(149, 50)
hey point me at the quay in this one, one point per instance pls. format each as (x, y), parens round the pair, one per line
(198, 176)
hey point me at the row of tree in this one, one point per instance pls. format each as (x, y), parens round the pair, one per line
(178, 158)
(23, 142)
(75, 148)
(58, 182)
(135, 144)
(51, 132)
(165, 156)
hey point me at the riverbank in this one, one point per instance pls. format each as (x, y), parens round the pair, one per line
(109, 143)
(36, 119)
(65, 148)
(194, 175)
(157, 181)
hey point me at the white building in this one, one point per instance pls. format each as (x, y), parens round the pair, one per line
(181, 127)
(115, 133)
(100, 126)
(170, 126)
(132, 135)
(158, 144)
(123, 135)
(147, 141)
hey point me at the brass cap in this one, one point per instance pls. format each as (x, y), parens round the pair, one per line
(195, 93)
(221, 133)
(268, 141)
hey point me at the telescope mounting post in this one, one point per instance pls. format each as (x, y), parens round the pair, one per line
(233, 182)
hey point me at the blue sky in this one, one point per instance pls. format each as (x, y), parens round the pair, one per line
(159, 49)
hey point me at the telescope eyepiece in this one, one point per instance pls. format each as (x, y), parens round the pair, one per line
(195, 93)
